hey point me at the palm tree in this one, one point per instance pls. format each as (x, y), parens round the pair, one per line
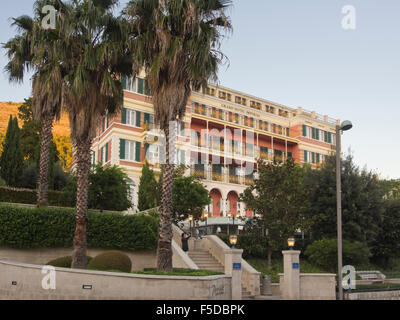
(92, 51)
(177, 43)
(32, 49)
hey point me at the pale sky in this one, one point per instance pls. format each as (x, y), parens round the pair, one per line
(296, 53)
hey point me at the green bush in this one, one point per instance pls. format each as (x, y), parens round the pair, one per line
(28, 196)
(64, 262)
(25, 228)
(323, 253)
(111, 260)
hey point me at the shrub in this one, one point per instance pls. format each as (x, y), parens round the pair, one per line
(64, 262)
(323, 253)
(111, 260)
(29, 196)
(26, 228)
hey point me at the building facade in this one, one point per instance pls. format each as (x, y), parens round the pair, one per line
(219, 140)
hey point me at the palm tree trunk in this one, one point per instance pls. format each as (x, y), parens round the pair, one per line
(79, 255)
(45, 139)
(164, 250)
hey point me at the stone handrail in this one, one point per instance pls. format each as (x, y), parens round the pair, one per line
(218, 248)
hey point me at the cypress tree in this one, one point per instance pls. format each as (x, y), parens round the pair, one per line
(148, 195)
(11, 161)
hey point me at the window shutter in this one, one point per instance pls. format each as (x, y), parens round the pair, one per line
(123, 115)
(106, 159)
(182, 128)
(317, 134)
(147, 118)
(147, 88)
(138, 146)
(305, 156)
(140, 85)
(122, 148)
(103, 125)
(313, 157)
(304, 130)
(123, 80)
(138, 118)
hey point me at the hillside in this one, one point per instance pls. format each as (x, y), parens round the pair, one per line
(6, 108)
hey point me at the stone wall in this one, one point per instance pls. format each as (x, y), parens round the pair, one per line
(24, 281)
(379, 295)
(315, 286)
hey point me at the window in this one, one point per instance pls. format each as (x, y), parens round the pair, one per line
(130, 150)
(131, 84)
(306, 131)
(153, 153)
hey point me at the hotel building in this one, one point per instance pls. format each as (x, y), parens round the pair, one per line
(220, 138)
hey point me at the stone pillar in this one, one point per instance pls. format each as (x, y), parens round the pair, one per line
(290, 288)
(234, 256)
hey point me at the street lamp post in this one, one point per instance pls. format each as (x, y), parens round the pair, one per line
(346, 125)
(190, 220)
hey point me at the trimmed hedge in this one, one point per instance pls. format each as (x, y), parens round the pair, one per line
(26, 228)
(64, 262)
(28, 196)
(111, 260)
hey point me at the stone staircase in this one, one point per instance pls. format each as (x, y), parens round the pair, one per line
(204, 260)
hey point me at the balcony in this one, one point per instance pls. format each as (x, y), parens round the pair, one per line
(248, 180)
(200, 174)
(219, 177)
(234, 179)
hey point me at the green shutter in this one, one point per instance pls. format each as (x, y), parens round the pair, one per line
(138, 118)
(317, 134)
(123, 80)
(305, 156)
(124, 115)
(318, 158)
(122, 149)
(182, 128)
(106, 152)
(313, 157)
(140, 85)
(304, 130)
(147, 118)
(329, 137)
(147, 88)
(107, 121)
(137, 155)
(313, 133)
(102, 125)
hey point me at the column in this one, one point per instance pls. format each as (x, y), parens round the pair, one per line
(233, 267)
(290, 288)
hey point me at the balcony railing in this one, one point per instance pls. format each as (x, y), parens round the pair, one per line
(234, 179)
(218, 177)
(199, 174)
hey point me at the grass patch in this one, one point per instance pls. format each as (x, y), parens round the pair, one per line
(179, 272)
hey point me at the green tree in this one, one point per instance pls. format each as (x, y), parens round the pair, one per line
(11, 161)
(323, 253)
(279, 197)
(386, 245)
(30, 131)
(362, 201)
(148, 189)
(109, 189)
(190, 197)
(177, 43)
